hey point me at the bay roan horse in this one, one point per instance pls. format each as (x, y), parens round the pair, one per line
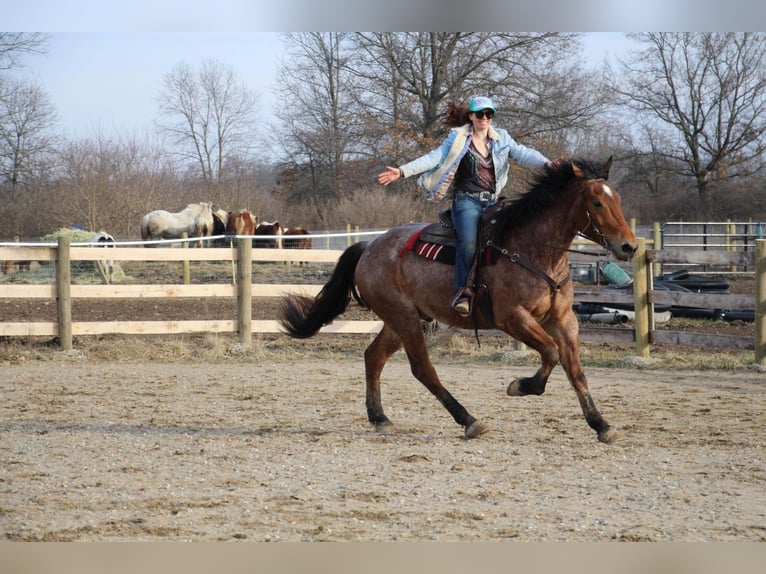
(528, 291)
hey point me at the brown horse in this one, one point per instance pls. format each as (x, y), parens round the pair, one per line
(241, 223)
(273, 230)
(527, 291)
(295, 238)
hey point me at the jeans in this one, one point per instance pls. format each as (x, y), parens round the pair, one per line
(466, 213)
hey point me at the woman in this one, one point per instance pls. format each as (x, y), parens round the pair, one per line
(475, 158)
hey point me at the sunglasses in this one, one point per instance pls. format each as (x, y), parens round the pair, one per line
(489, 114)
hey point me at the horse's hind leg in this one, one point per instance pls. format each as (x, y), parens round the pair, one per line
(422, 368)
(380, 350)
(387, 343)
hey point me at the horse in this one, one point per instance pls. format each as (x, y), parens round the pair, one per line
(241, 223)
(105, 266)
(296, 238)
(524, 287)
(297, 241)
(273, 229)
(8, 266)
(220, 221)
(196, 220)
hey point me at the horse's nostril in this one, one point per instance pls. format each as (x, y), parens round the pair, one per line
(628, 248)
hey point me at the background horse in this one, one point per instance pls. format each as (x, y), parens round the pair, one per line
(105, 266)
(528, 292)
(241, 223)
(294, 238)
(196, 220)
(267, 228)
(297, 238)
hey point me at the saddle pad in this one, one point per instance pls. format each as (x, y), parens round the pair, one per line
(422, 243)
(436, 246)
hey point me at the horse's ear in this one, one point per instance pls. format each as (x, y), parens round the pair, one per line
(577, 171)
(603, 172)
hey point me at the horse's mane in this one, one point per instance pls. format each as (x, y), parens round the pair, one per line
(545, 188)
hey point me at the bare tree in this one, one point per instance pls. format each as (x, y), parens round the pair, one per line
(110, 183)
(13, 45)
(209, 116)
(546, 97)
(322, 116)
(701, 98)
(357, 100)
(27, 119)
(413, 74)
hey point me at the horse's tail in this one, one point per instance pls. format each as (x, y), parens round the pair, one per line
(303, 316)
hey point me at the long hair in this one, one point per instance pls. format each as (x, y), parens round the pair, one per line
(456, 115)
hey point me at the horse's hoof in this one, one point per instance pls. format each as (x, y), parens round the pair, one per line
(514, 388)
(608, 436)
(476, 430)
(383, 426)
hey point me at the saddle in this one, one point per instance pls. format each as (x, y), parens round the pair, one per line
(438, 241)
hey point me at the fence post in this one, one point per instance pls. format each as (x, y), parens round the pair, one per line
(760, 302)
(186, 263)
(657, 245)
(244, 292)
(233, 263)
(730, 233)
(63, 293)
(641, 299)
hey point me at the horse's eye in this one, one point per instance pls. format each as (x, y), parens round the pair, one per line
(597, 204)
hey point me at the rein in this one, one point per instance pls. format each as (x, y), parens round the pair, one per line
(520, 260)
(581, 233)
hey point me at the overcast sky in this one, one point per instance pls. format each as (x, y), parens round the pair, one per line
(108, 82)
(104, 67)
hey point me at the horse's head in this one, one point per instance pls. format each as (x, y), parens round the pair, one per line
(602, 221)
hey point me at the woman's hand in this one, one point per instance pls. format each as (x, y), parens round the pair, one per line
(555, 163)
(391, 174)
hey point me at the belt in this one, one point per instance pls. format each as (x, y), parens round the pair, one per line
(481, 195)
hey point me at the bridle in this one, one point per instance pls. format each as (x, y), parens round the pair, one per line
(601, 237)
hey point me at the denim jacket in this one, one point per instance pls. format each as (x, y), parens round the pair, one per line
(439, 165)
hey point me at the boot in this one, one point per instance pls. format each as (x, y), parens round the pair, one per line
(461, 303)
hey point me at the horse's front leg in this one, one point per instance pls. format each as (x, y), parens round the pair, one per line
(534, 336)
(566, 334)
(386, 343)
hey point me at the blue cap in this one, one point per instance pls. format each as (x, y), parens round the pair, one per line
(481, 103)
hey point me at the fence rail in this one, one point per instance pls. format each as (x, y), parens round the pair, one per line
(642, 297)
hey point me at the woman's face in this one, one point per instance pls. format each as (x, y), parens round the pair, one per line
(481, 119)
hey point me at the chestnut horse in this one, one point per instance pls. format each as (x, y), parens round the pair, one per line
(295, 238)
(241, 223)
(527, 289)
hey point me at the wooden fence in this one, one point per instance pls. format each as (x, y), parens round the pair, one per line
(643, 296)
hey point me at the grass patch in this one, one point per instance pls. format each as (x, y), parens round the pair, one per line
(445, 347)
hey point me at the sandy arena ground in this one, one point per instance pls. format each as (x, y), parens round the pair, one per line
(282, 450)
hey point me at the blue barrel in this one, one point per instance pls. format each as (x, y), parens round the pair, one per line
(615, 274)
